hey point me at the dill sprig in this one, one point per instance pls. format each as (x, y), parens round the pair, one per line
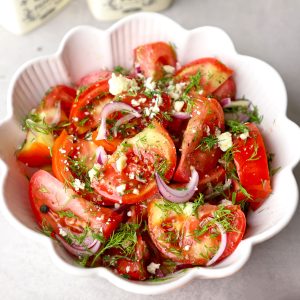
(168, 207)
(124, 239)
(236, 126)
(208, 143)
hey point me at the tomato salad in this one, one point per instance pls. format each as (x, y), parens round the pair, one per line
(153, 169)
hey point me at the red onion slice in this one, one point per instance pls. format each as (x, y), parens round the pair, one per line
(80, 252)
(122, 121)
(101, 155)
(178, 196)
(222, 246)
(109, 109)
(225, 101)
(241, 117)
(181, 115)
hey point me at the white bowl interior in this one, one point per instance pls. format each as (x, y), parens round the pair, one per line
(87, 49)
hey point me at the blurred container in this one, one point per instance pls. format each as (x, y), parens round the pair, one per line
(21, 16)
(114, 9)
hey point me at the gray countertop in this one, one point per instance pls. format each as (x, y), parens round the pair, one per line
(269, 30)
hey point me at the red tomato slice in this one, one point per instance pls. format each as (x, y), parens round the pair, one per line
(151, 58)
(35, 151)
(226, 90)
(212, 178)
(94, 77)
(192, 237)
(213, 73)
(60, 93)
(207, 117)
(48, 197)
(87, 107)
(251, 163)
(135, 268)
(132, 180)
(61, 148)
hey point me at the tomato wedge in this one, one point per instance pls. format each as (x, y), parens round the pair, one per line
(35, 151)
(87, 107)
(150, 59)
(56, 206)
(226, 90)
(212, 73)
(207, 117)
(128, 175)
(251, 163)
(191, 236)
(94, 77)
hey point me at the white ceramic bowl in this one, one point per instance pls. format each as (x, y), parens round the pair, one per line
(85, 49)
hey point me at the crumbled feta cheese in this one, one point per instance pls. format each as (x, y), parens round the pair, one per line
(135, 191)
(121, 189)
(225, 141)
(127, 269)
(117, 205)
(178, 105)
(135, 103)
(93, 171)
(150, 84)
(169, 69)
(129, 214)
(121, 163)
(244, 135)
(119, 84)
(131, 175)
(187, 247)
(62, 232)
(78, 185)
(153, 267)
(61, 150)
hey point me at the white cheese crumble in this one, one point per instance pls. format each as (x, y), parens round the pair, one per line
(127, 269)
(121, 163)
(150, 84)
(244, 135)
(135, 191)
(178, 105)
(78, 185)
(129, 214)
(119, 84)
(153, 267)
(62, 232)
(187, 247)
(117, 205)
(169, 69)
(93, 171)
(121, 189)
(225, 141)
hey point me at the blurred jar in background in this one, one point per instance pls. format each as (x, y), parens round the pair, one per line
(114, 9)
(21, 16)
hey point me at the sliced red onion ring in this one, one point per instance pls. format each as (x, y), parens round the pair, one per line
(122, 121)
(101, 155)
(181, 115)
(178, 196)
(222, 246)
(109, 109)
(79, 250)
(225, 101)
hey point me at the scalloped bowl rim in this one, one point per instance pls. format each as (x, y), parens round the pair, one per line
(139, 287)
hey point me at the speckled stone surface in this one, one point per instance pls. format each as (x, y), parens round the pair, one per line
(269, 30)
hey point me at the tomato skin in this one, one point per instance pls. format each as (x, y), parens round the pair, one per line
(60, 93)
(158, 142)
(44, 189)
(175, 234)
(207, 115)
(214, 177)
(35, 152)
(226, 90)
(62, 146)
(94, 77)
(152, 57)
(213, 73)
(86, 109)
(135, 269)
(251, 164)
